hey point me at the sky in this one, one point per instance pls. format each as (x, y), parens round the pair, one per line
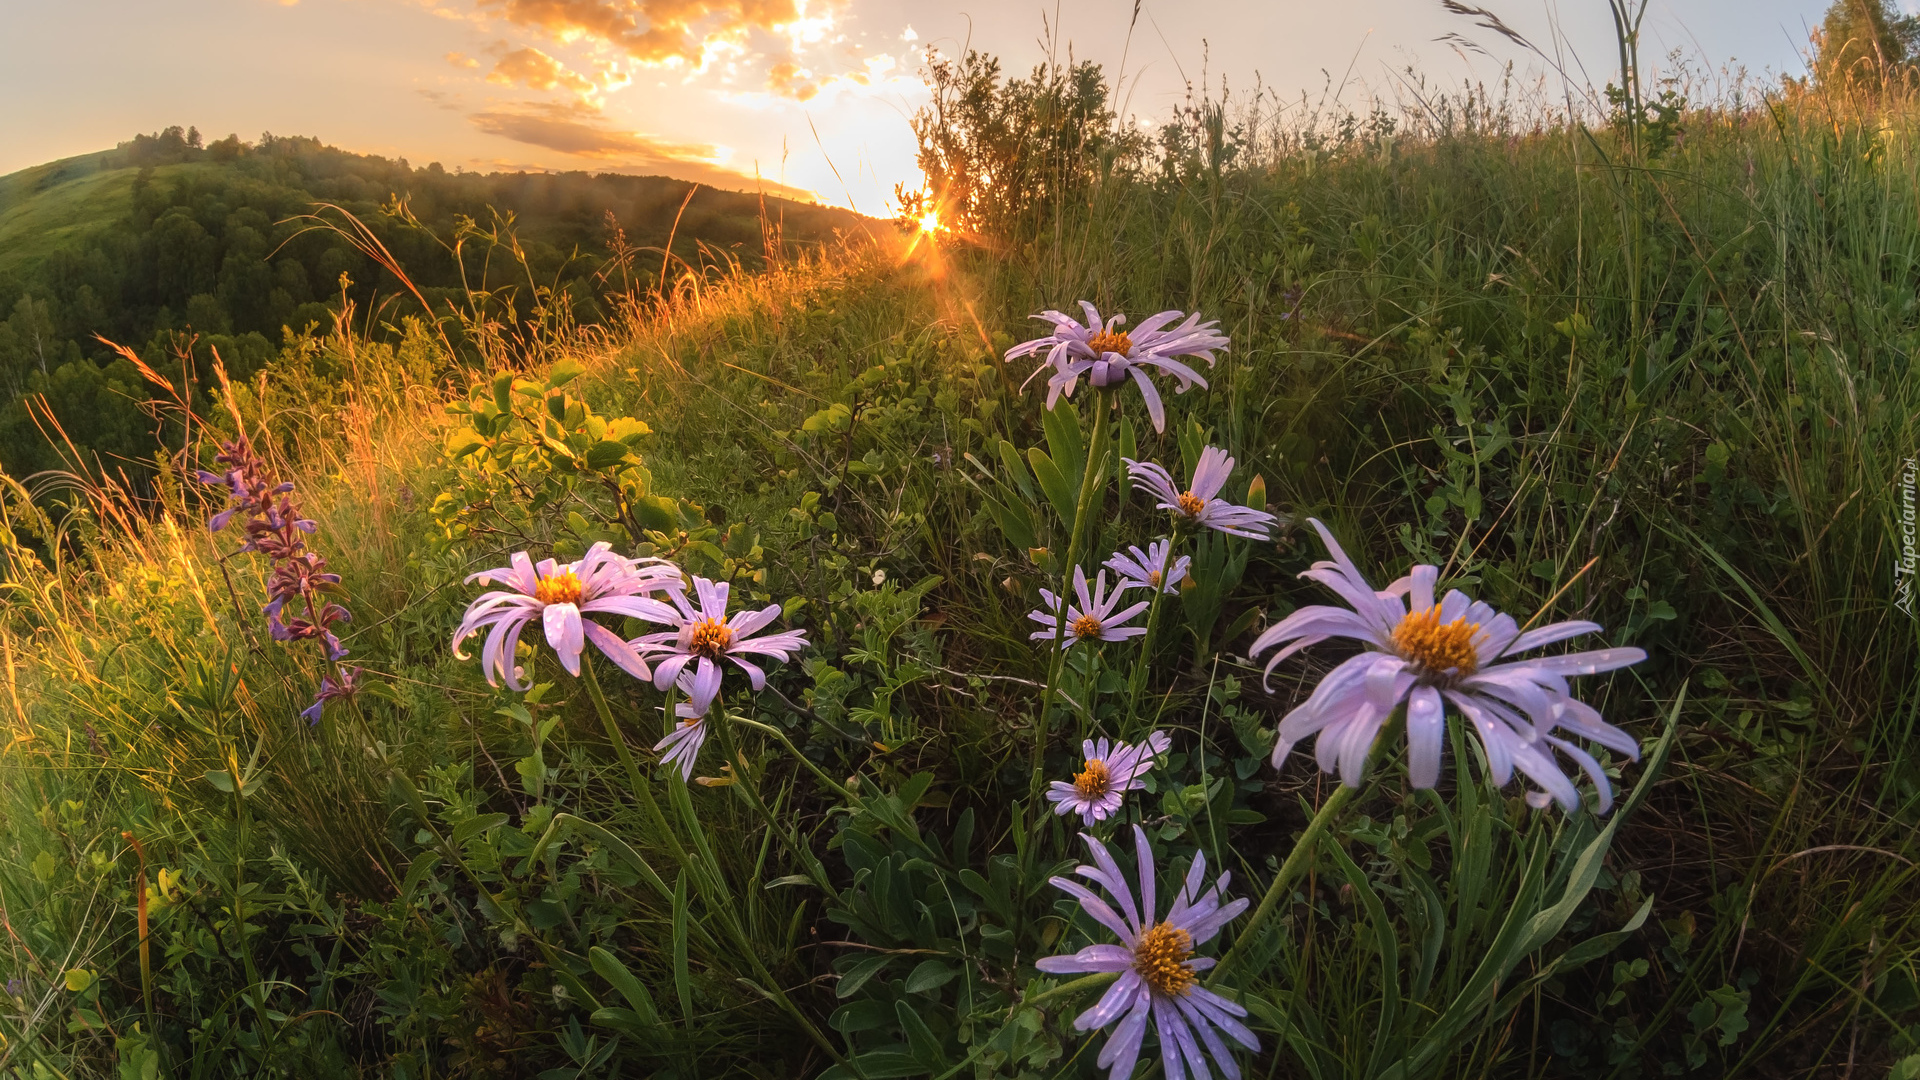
(806, 97)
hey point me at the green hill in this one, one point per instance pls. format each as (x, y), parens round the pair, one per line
(163, 239)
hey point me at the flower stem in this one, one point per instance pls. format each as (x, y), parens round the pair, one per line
(1297, 861)
(1137, 678)
(1093, 482)
(708, 878)
(723, 727)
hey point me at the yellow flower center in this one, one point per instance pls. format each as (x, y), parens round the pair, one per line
(1190, 504)
(1155, 577)
(1110, 341)
(709, 638)
(690, 721)
(1161, 959)
(561, 588)
(1093, 781)
(1440, 649)
(1085, 626)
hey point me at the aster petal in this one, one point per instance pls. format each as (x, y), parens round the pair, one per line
(1143, 855)
(1175, 1034)
(745, 623)
(1091, 958)
(669, 669)
(1210, 472)
(1222, 1013)
(1201, 1026)
(617, 650)
(1601, 785)
(1122, 1051)
(1587, 663)
(1547, 635)
(564, 633)
(1425, 732)
(1101, 911)
(1155, 410)
(1107, 872)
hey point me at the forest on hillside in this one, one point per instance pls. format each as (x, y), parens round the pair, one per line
(177, 248)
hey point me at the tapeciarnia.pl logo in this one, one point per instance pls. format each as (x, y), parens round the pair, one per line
(1904, 565)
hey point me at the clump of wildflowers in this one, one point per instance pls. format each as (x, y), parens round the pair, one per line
(560, 595)
(1157, 967)
(298, 605)
(1423, 653)
(1108, 771)
(1199, 504)
(1106, 354)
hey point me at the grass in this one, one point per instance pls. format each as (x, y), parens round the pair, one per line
(56, 205)
(1672, 395)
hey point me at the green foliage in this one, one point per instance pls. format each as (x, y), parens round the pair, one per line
(1864, 44)
(181, 250)
(1674, 401)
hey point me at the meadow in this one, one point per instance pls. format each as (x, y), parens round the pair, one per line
(1649, 367)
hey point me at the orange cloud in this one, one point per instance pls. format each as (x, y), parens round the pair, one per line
(538, 71)
(663, 31)
(460, 59)
(789, 80)
(581, 131)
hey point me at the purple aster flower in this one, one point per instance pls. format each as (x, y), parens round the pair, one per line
(1422, 654)
(1093, 617)
(706, 633)
(560, 595)
(1148, 569)
(1106, 355)
(1108, 772)
(689, 733)
(1157, 968)
(1198, 504)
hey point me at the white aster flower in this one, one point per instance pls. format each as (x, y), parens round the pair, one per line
(1148, 569)
(1422, 653)
(1198, 504)
(1157, 968)
(1108, 771)
(1106, 355)
(1092, 618)
(560, 595)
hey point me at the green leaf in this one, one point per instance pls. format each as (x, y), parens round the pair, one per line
(657, 512)
(417, 872)
(884, 1064)
(79, 980)
(220, 779)
(1054, 483)
(609, 967)
(857, 975)
(920, 1037)
(477, 825)
(930, 975)
(564, 372)
(627, 429)
(1069, 449)
(682, 979)
(462, 442)
(606, 454)
(45, 867)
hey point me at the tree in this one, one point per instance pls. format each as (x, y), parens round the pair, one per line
(1863, 43)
